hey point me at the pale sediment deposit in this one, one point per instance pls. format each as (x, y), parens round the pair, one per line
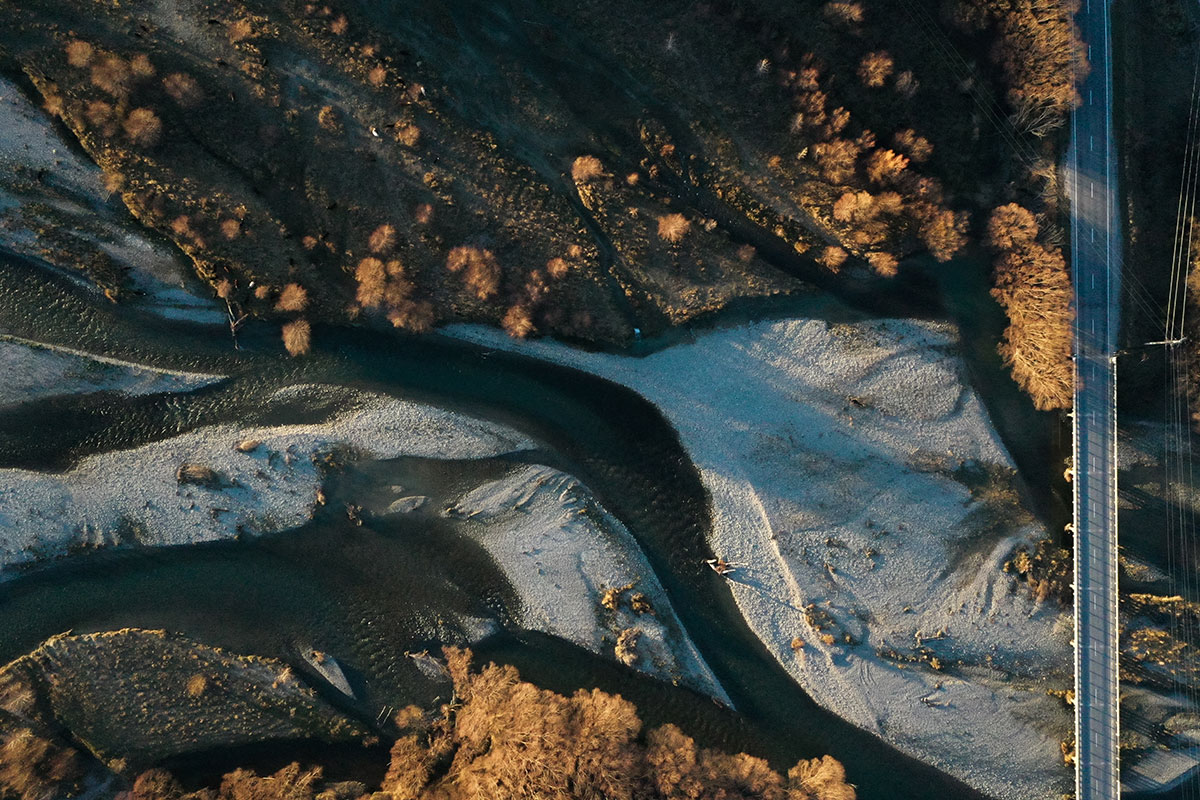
(562, 552)
(141, 496)
(862, 493)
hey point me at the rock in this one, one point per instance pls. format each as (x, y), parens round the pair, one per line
(406, 505)
(198, 475)
(248, 445)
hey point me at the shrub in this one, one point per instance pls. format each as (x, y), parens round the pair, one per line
(884, 264)
(371, 280)
(836, 159)
(481, 270)
(79, 53)
(944, 232)
(916, 147)
(1011, 226)
(297, 337)
(141, 67)
(673, 227)
(231, 228)
(182, 88)
(586, 168)
(143, 128)
(844, 13)
(377, 76)
(111, 74)
(518, 322)
(875, 68)
(885, 166)
(889, 203)
(101, 116)
(854, 207)
(832, 258)
(294, 297)
(382, 239)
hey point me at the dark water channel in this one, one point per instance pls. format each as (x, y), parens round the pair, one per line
(369, 593)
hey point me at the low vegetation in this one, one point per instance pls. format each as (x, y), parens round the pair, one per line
(1033, 284)
(503, 738)
(314, 167)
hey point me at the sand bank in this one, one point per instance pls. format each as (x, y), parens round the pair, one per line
(560, 549)
(134, 497)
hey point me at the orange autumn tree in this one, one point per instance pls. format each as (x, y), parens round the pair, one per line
(502, 738)
(1033, 285)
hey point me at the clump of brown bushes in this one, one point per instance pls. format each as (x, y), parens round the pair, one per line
(1040, 52)
(502, 739)
(1033, 284)
(1046, 570)
(33, 767)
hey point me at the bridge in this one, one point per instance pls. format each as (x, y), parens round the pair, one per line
(1096, 275)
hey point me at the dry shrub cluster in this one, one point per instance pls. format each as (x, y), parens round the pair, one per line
(385, 285)
(1046, 570)
(586, 168)
(35, 768)
(673, 227)
(1040, 52)
(848, 156)
(869, 215)
(505, 739)
(1033, 284)
(479, 267)
(531, 298)
(297, 337)
(117, 79)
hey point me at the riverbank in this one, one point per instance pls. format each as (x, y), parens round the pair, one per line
(858, 483)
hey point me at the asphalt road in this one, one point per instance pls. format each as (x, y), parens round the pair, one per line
(1095, 263)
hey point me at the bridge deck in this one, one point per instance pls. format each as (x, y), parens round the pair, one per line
(1096, 252)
